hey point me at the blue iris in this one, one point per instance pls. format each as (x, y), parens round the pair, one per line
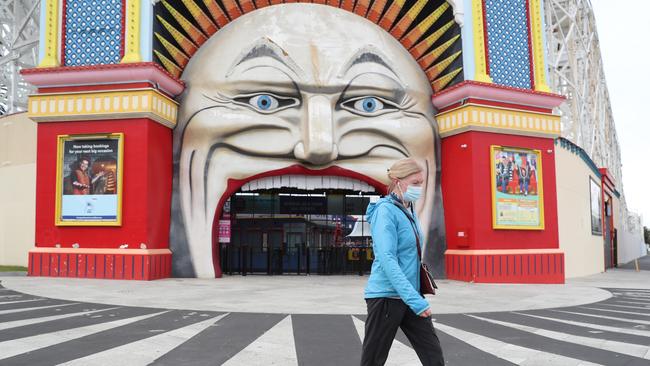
(369, 104)
(264, 102)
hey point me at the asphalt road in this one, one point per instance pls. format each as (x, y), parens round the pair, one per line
(42, 331)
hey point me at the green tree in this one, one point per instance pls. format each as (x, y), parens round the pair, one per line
(646, 235)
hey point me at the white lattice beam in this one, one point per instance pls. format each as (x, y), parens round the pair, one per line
(576, 71)
(18, 50)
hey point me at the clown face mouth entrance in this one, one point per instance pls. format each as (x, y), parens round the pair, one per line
(296, 224)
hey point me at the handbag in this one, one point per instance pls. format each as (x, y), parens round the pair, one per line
(427, 284)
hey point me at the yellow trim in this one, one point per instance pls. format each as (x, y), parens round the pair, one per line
(538, 46)
(540, 191)
(478, 117)
(132, 44)
(59, 179)
(113, 104)
(479, 43)
(51, 29)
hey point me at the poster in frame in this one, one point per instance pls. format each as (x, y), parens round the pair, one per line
(89, 176)
(595, 207)
(517, 188)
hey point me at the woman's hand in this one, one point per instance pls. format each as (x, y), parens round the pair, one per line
(426, 313)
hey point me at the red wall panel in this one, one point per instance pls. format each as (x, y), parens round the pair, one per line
(147, 169)
(466, 186)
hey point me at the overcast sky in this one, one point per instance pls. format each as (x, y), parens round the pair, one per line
(623, 30)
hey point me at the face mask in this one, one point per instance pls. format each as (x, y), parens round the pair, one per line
(412, 193)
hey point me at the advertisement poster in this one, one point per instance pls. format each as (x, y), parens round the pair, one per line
(89, 180)
(517, 197)
(596, 211)
(224, 231)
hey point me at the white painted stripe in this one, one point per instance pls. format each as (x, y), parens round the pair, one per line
(10, 296)
(20, 323)
(275, 347)
(646, 307)
(642, 333)
(19, 301)
(510, 352)
(27, 344)
(2, 312)
(633, 294)
(612, 346)
(631, 290)
(400, 354)
(613, 311)
(605, 317)
(632, 302)
(145, 351)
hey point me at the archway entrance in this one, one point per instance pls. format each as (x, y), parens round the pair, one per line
(297, 230)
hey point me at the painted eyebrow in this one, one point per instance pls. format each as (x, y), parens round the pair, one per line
(368, 55)
(267, 48)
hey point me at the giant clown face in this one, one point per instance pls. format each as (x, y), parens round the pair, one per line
(301, 89)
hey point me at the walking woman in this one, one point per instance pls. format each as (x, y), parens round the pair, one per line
(393, 290)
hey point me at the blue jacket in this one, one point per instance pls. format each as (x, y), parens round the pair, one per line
(396, 269)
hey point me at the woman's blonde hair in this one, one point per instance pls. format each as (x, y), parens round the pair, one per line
(402, 169)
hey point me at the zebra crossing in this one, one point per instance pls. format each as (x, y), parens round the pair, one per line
(43, 331)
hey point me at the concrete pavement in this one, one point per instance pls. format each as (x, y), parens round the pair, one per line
(319, 294)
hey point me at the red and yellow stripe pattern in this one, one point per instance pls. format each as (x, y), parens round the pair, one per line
(423, 27)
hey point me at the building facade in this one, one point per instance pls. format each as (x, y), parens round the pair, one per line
(201, 138)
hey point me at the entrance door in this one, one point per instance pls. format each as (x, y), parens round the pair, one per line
(298, 233)
(608, 231)
(293, 260)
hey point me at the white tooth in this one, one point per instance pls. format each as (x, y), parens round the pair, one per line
(254, 185)
(356, 185)
(348, 183)
(285, 181)
(268, 182)
(302, 181)
(334, 182)
(277, 182)
(326, 181)
(246, 187)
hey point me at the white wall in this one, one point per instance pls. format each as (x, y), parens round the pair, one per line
(630, 239)
(17, 188)
(583, 251)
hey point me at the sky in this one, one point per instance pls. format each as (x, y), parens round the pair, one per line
(623, 30)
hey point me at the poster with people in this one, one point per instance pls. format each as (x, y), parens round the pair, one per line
(89, 184)
(517, 198)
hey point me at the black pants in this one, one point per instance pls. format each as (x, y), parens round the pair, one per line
(384, 317)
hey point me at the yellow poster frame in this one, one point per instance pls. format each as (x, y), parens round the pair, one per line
(61, 139)
(493, 184)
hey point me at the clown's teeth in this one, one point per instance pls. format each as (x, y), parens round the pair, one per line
(307, 182)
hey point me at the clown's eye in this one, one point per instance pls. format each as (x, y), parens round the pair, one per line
(368, 106)
(266, 102)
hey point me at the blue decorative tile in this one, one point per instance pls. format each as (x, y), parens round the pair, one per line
(93, 32)
(508, 37)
